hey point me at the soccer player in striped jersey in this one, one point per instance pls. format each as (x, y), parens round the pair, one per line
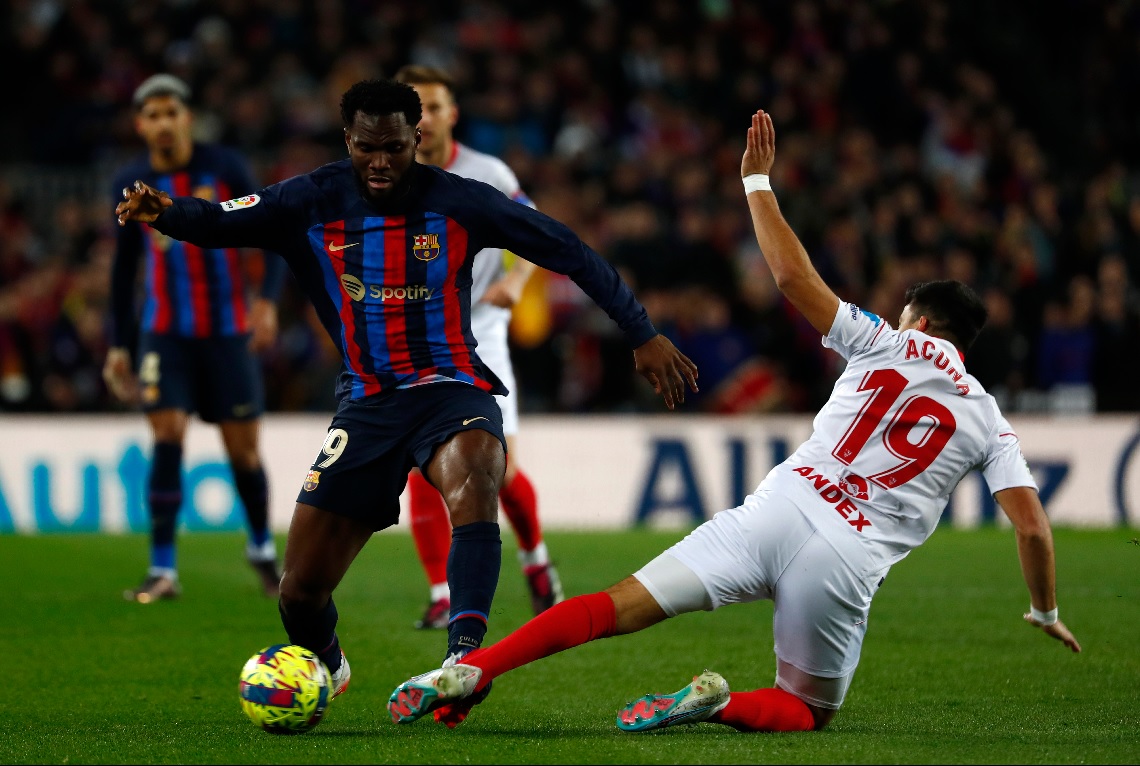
(384, 246)
(904, 423)
(495, 289)
(198, 336)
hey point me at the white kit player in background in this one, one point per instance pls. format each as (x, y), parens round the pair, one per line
(495, 289)
(904, 423)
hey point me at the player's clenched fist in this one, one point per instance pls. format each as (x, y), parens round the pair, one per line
(141, 203)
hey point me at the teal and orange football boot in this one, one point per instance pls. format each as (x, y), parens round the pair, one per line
(422, 694)
(706, 695)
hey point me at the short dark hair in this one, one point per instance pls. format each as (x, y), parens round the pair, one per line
(160, 85)
(416, 74)
(953, 309)
(381, 97)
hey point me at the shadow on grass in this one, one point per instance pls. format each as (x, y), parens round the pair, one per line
(565, 731)
(463, 732)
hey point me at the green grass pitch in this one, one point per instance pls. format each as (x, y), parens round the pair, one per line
(950, 673)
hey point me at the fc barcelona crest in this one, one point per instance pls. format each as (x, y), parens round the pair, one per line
(312, 480)
(425, 247)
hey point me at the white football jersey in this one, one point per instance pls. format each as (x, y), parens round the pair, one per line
(904, 423)
(488, 323)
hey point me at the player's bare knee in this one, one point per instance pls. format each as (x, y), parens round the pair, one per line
(168, 426)
(241, 443)
(473, 497)
(245, 460)
(468, 471)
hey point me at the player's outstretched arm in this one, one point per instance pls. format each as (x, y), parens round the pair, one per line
(261, 220)
(1035, 550)
(791, 267)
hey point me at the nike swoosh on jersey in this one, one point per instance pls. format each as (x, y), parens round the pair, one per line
(337, 248)
(472, 420)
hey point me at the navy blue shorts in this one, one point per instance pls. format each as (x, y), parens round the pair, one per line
(219, 377)
(363, 465)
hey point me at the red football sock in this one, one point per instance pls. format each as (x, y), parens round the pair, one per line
(765, 710)
(520, 504)
(431, 527)
(562, 626)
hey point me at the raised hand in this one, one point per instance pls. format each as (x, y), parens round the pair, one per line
(666, 369)
(141, 203)
(760, 149)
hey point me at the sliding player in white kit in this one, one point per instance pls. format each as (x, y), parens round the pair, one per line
(904, 423)
(495, 288)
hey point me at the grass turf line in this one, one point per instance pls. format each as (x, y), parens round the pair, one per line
(949, 673)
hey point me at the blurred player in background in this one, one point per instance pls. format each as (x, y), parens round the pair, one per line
(195, 351)
(383, 246)
(904, 423)
(495, 289)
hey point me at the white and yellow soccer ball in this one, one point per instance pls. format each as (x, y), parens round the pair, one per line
(285, 689)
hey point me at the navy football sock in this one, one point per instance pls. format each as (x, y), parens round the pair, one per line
(164, 497)
(473, 574)
(253, 490)
(314, 629)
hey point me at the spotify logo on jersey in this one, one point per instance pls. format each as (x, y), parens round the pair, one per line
(356, 290)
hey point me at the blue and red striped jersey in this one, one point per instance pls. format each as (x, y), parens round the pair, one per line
(190, 291)
(393, 287)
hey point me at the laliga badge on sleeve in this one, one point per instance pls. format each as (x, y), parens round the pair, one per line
(241, 203)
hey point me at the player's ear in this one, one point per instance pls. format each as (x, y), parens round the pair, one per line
(347, 141)
(419, 137)
(922, 323)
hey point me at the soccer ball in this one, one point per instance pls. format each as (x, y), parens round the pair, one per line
(284, 689)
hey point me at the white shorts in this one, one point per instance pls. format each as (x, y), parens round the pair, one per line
(490, 330)
(766, 549)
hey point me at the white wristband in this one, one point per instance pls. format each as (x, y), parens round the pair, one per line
(1045, 618)
(756, 182)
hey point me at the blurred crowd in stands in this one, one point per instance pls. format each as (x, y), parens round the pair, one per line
(990, 142)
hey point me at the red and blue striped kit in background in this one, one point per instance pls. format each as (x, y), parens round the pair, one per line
(191, 292)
